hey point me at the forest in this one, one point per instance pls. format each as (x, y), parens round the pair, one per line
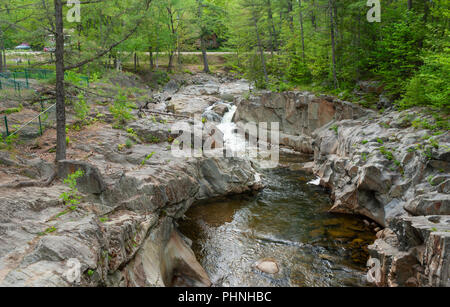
(278, 44)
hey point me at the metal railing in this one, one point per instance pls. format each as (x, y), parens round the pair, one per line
(18, 79)
(17, 85)
(41, 120)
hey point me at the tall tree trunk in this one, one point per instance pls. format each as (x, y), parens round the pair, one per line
(150, 51)
(358, 48)
(260, 46)
(178, 50)
(202, 36)
(204, 55)
(426, 11)
(170, 66)
(273, 34)
(290, 9)
(171, 26)
(410, 4)
(333, 47)
(60, 103)
(1, 50)
(301, 29)
(313, 15)
(135, 61)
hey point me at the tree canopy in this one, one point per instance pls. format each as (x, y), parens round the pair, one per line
(323, 45)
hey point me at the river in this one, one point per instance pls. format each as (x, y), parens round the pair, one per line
(288, 222)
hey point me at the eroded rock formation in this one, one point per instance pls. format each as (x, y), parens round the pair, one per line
(378, 166)
(123, 233)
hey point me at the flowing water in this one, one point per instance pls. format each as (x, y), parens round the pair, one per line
(287, 222)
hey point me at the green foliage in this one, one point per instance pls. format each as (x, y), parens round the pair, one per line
(10, 141)
(335, 128)
(408, 52)
(388, 154)
(430, 180)
(430, 86)
(81, 108)
(154, 139)
(12, 110)
(364, 156)
(75, 78)
(121, 109)
(72, 197)
(148, 157)
(129, 143)
(48, 231)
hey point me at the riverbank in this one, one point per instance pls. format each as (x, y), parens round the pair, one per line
(123, 231)
(381, 166)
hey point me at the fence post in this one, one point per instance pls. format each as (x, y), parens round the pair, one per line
(26, 77)
(40, 125)
(6, 126)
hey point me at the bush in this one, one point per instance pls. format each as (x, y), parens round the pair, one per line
(81, 108)
(431, 84)
(121, 110)
(72, 197)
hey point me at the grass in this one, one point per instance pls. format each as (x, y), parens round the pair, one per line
(148, 157)
(12, 110)
(335, 128)
(388, 154)
(48, 231)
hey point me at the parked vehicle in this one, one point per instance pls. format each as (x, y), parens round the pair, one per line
(23, 46)
(49, 49)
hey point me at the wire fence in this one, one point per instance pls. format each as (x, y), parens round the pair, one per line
(29, 73)
(9, 83)
(33, 127)
(19, 79)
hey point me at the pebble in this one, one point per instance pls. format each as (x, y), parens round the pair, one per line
(268, 266)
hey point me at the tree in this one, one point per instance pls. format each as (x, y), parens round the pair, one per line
(210, 20)
(333, 43)
(61, 67)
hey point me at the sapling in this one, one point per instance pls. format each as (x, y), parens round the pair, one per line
(72, 197)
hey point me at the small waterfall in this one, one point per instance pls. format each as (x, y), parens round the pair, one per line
(228, 117)
(232, 140)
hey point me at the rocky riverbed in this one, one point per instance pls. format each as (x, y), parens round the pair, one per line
(376, 165)
(124, 232)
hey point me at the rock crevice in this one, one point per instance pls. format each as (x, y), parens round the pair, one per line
(378, 166)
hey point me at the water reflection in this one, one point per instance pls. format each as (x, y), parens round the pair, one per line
(288, 221)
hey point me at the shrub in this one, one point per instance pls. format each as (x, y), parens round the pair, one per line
(430, 85)
(148, 157)
(121, 109)
(81, 108)
(72, 197)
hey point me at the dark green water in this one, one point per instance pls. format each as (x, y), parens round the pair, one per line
(287, 221)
